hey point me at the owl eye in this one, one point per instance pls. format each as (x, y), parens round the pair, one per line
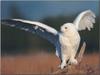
(65, 27)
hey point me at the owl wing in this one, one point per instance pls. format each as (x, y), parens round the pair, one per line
(85, 20)
(38, 28)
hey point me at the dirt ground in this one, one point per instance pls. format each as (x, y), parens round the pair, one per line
(45, 63)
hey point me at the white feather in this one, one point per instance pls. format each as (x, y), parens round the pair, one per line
(48, 28)
(85, 20)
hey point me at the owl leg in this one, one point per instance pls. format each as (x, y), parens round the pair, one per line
(72, 59)
(63, 63)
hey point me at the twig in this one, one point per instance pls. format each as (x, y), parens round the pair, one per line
(79, 58)
(80, 54)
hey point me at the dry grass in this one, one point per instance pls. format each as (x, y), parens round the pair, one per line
(44, 63)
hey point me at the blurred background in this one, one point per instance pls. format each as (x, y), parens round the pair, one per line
(52, 13)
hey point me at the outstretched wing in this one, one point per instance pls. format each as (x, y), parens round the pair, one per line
(40, 29)
(85, 20)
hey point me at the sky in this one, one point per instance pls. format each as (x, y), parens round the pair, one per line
(36, 10)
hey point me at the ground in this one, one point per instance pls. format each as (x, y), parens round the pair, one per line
(45, 63)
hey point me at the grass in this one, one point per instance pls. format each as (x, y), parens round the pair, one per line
(45, 63)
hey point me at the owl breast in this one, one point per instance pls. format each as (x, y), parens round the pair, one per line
(70, 40)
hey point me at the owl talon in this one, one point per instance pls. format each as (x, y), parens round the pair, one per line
(73, 61)
(63, 65)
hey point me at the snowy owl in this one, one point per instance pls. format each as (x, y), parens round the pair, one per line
(66, 41)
